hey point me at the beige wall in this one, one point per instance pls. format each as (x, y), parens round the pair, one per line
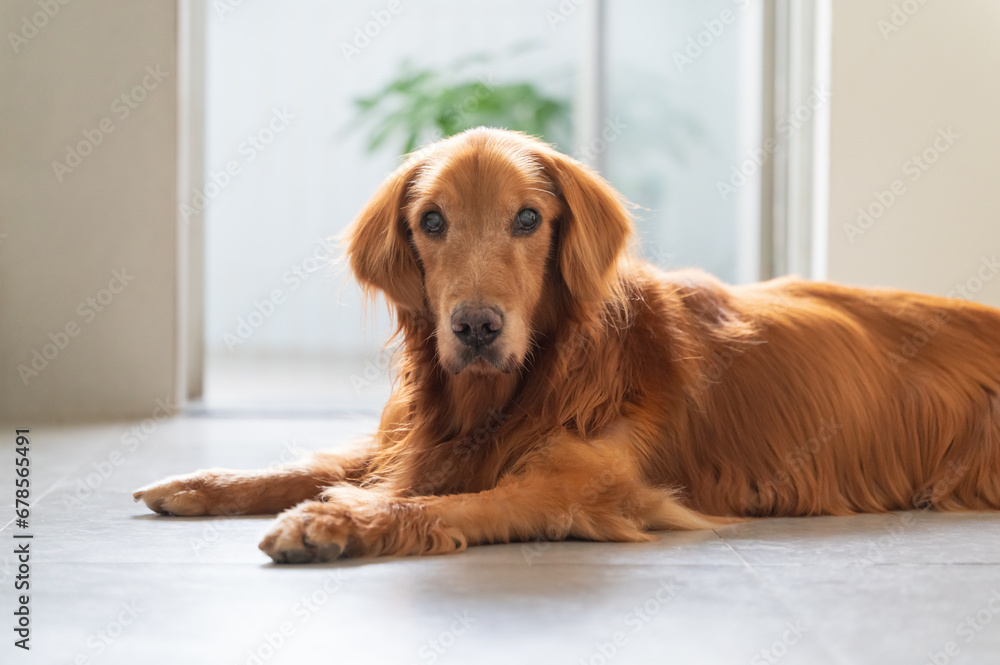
(893, 91)
(63, 241)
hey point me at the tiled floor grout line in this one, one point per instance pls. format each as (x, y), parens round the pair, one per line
(820, 639)
(37, 500)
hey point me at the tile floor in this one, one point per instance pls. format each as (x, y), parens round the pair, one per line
(112, 583)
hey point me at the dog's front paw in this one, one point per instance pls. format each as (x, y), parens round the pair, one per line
(357, 526)
(186, 495)
(312, 531)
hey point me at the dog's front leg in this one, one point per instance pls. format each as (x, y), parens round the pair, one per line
(264, 491)
(591, 490)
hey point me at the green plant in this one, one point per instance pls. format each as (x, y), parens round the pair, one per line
(421, 105)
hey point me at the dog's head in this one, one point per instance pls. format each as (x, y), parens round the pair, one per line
(480, 232)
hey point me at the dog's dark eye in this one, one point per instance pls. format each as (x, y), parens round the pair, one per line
(432, 222)
(526, 221)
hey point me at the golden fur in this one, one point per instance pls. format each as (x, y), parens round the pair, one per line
(617, 399)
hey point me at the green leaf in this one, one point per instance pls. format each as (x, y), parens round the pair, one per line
(421, 103)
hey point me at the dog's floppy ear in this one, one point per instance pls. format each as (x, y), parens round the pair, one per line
(378, 243)
(594, 230)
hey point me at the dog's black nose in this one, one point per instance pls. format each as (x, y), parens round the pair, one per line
(476, 325)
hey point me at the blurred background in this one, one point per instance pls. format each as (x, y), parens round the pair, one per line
(174, 174)
(359, 94)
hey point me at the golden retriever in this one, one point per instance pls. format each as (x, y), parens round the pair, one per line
(551, 386)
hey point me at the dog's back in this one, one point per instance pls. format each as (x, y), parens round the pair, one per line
(810, 398)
